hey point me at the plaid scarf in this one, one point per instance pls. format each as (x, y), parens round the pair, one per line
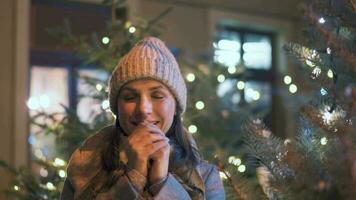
(89, 178)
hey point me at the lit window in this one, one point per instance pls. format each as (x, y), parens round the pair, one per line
(87, 106)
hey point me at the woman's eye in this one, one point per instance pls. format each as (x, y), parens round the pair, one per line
(128, 97)
(157, 96)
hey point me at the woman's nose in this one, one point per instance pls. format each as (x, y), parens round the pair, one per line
(144, 106)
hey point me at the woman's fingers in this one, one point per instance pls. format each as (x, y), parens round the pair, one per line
(152, 148)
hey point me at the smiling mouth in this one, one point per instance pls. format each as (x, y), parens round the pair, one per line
(137, 123)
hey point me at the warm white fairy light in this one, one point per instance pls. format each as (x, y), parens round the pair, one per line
(287, 79)
(33, 103)
(293, 88)
(328, 50)
(221, 78)
(105, 40)
(99, 87)
(192, 129)
(256, 95)
(59, 162)
(16, 188)
(240, 85)
(190, 77)
(235, 161)
(328, 117)
(309, 63)
(231, 70)
(132, 29)
(241, 168)
(105, 104)
(199, 105)
(50, 186)
(316, 71)
(323, 141)
(222, 175)
(330, 73)
(62, 173)
(322, 20)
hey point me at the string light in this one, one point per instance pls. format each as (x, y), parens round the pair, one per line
(16, 188)
(256, 95)
(330, 73)
(287, 79)
(241, 168)
(59, 162)
(221, 78)
(33, 103)
(323, 92)
(132, 29)
(190, 77)
(99, 87)
(309, 63)
(240, 85)
(199, 105)
(62, 173)
(293, 88)
(105, 104)
(231, 70)
(316, 71)
(192, 129)
(105, 40)
(328, 50)
(223, 175)
(323, 141)
(235, 161)
(322, 20)
(50, 186)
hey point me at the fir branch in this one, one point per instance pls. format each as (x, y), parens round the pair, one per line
(334, 42)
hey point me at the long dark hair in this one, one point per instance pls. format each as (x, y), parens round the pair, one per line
(177, 134)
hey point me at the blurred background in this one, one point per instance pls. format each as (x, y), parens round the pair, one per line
(237, 43)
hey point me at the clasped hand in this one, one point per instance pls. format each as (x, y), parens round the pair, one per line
(148, 152)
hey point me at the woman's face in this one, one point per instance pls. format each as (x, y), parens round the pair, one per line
(145, 100)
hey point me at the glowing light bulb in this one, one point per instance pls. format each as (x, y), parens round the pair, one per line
(293, 88)
(323, 141)
(235, 161)
(323, 92)
(43, 172)
(240, 85)
(59, 162)
(99, 87)
(190, 77)
(222, 175)
(33, 103)
(231, 70)
(241, 168)
(322, 20)
(287, 79)
(62, 173)
(256, 95)
(330, 73)
(105, 104)
(132, 29)
(221, 78)
(50, 186)
(192, 129)
(105, 40)
(16, 188)
(199, 105)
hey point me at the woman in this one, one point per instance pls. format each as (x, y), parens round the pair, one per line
(147, 154)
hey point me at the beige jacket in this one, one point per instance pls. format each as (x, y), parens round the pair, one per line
(86, 162)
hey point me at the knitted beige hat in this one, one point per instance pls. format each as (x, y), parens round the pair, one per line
(149, 58)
